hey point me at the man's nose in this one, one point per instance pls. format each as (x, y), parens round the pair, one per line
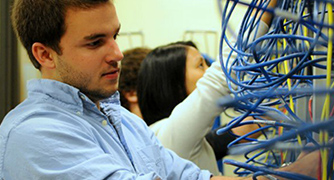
(115, 53)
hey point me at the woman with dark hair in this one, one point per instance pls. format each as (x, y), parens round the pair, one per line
(180, 113)
(162, 83)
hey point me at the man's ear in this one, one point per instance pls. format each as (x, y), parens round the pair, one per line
(131, 96)
(43, 55)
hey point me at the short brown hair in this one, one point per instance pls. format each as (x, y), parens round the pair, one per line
(44, 21)
(129, 73)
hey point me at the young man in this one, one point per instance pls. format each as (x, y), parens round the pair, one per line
(71, 126)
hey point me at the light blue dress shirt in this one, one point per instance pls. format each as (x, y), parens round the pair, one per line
(58, 133)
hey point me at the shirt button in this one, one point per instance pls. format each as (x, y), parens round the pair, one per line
(78, 113)
(104, 122)
(82, 97)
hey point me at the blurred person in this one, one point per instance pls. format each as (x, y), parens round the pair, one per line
(128, 78)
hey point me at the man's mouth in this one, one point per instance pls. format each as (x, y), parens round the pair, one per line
(112, 74)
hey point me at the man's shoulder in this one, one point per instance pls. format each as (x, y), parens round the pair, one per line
(36, 114)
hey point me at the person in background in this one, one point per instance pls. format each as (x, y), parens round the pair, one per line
(71, 126)
(177, 97)
(128, 78)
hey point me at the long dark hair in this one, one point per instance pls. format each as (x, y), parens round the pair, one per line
(161, 82)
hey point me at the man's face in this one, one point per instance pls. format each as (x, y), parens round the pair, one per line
(90, 59)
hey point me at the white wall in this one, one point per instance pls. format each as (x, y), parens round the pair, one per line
(27, 71)
(165, 21)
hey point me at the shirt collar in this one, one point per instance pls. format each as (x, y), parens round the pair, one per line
(111, 106)
(72, 96)
(55, 89)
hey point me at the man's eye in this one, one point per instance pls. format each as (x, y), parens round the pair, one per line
(94, 43)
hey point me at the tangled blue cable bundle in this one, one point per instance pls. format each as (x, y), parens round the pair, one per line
(268, 73)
